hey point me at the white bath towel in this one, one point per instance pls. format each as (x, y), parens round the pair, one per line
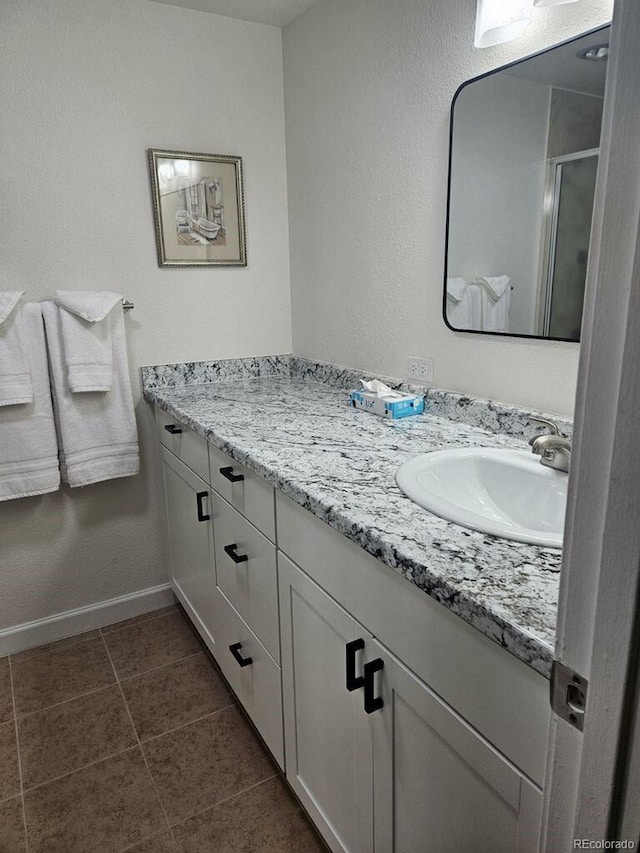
(15, 378)
(465, 312)
(97, 435)
(496, 302)
(87, 321)
(28, 446)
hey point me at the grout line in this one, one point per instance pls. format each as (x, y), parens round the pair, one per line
(190, 723)
(144, 757)
(113, 754)
(66, 701)
(153, 669)
(78, 769)
(143, 840)
(15, 722)
(227, 799)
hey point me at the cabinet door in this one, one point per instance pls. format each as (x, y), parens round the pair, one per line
(439, 786)
(191, 542)
(327, 741)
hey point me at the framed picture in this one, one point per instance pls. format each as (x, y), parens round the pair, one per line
(198, 205)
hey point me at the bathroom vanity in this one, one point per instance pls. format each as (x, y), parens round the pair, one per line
(395, 664)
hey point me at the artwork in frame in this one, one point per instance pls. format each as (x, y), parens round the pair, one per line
(198, 206)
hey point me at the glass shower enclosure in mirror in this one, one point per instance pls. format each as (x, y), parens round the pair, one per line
(522, 173)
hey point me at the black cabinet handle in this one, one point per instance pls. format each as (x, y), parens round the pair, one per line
(235, 651)
(172, 428)
(231, 477)
(353, 681)
(200, 496)
(372, 703)
(231, 551)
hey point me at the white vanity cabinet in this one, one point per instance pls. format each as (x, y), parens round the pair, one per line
(401, 728)
(223, 568)
(380, 762)
(191, 543)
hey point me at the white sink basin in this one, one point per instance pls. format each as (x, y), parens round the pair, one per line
(505, 493)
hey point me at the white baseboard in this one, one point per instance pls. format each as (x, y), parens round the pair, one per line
(71, 622)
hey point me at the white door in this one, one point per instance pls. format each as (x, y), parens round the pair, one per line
(191, 542)
(588, 790)
(327, 742)
(439, 786)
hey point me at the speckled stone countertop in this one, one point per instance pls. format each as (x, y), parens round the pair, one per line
(288, 420)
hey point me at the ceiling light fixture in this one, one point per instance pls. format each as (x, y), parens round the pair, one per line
(499, 21)
(596, 53)
(546, 3)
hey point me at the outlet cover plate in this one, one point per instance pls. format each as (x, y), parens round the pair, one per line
(421, 370)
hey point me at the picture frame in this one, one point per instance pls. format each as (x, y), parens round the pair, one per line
(198, 208)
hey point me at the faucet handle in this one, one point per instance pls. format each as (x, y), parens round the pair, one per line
(552, 426)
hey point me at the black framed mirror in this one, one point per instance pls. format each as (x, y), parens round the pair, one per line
(523, 157)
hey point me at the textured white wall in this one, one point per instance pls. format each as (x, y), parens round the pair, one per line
(87, 87)
(368, 88)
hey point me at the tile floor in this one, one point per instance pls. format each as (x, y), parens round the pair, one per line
(127, 739)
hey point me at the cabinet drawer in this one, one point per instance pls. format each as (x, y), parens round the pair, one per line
(256, 684)
(251, 495)
(189, 447)
(246, 572)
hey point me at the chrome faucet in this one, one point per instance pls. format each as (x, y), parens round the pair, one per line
(553, 449)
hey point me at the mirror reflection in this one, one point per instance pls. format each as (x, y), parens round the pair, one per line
(524, 156)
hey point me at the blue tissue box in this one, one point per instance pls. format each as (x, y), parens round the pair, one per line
(387, 407)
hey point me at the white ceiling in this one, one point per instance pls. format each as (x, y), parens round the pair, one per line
(561, 67)
(278, 13)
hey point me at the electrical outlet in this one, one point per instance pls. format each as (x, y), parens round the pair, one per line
(420, 369)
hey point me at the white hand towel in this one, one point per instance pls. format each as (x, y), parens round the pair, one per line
(456, 288)
(97, 435)
(15, 378)
(87, 329)
(495, 285)
(28, 446)
(496, 302)
(466, 313)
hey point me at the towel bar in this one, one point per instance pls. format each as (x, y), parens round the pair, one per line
(127, 305)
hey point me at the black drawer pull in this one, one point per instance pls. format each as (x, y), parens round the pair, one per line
(200, 496)
(231, 477)
(235, 651)
(353, 681)
(172, 428)
(372, 703)
(231, 551)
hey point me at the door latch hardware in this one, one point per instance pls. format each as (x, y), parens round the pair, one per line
(568, 695)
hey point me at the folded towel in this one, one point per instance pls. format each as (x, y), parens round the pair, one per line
(466, 313)
(496, 302)
(87, 329)
(15, 379)
(97, 435)
(28, 446)
(456, 288)
(495, 285)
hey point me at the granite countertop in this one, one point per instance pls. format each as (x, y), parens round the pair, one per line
(294, 428)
